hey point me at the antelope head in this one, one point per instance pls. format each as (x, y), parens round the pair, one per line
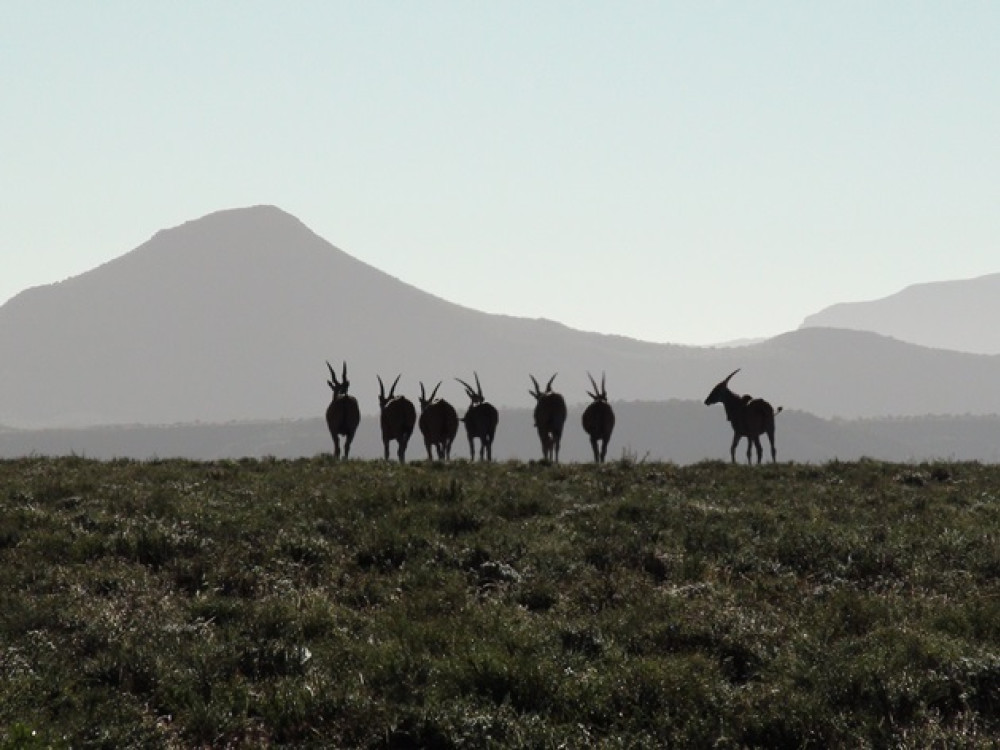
(475, 396)
(339, 387)
(598, 394)
(382, 398)
(426, 400)
(719, 392)
(538, 393)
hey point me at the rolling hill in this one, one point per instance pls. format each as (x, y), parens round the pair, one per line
(231, 316)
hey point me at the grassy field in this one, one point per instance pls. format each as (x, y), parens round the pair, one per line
(309, 603)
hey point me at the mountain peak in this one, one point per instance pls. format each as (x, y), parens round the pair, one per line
(253, 224)
(263, 213)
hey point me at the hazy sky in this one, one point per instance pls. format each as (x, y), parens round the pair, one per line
(687, 172)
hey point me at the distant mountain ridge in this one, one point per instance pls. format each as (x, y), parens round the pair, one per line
(231, 317)
(681, 432)
(960, 315)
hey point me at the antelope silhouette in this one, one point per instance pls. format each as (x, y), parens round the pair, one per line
(750, 417)
(397, 419)
(598, 420)
(438, 423)
(342, 415)
(480, 420)
(550, 416)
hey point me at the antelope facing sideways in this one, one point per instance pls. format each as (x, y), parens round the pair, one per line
(598, 419)
(550, 416)
(438, 423)
(397, 418)
(748, 416)
(481, 420)
(342, 415)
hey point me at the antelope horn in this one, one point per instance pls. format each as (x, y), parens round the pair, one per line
(381, 387)
(480, 387)
(392, 391)
(548, 386)
(333, 375)
(344, 376)
(593, 383)
(537, 389)
(434, 392)
(726, 381)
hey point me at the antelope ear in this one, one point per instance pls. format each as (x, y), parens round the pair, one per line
(332, 386)
(593, 395)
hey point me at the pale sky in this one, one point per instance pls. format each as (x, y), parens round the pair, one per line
(684, 172)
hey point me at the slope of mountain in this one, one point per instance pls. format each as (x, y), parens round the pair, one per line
(230, 317)
(220, 318)
(959, 315)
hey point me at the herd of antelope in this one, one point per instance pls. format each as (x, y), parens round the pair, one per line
(438, 421)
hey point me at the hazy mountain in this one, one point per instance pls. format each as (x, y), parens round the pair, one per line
(678, 431)
(740, 342)
(230, 317)
(959, 315)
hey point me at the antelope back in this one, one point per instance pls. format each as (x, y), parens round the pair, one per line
(550, 412)
(398, 418)
(438, 420)
(481, 420)
(343, 414)
(599, 420)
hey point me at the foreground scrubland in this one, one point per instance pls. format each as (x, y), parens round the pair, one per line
(361, 604)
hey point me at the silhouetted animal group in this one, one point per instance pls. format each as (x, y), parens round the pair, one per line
(438, 421)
